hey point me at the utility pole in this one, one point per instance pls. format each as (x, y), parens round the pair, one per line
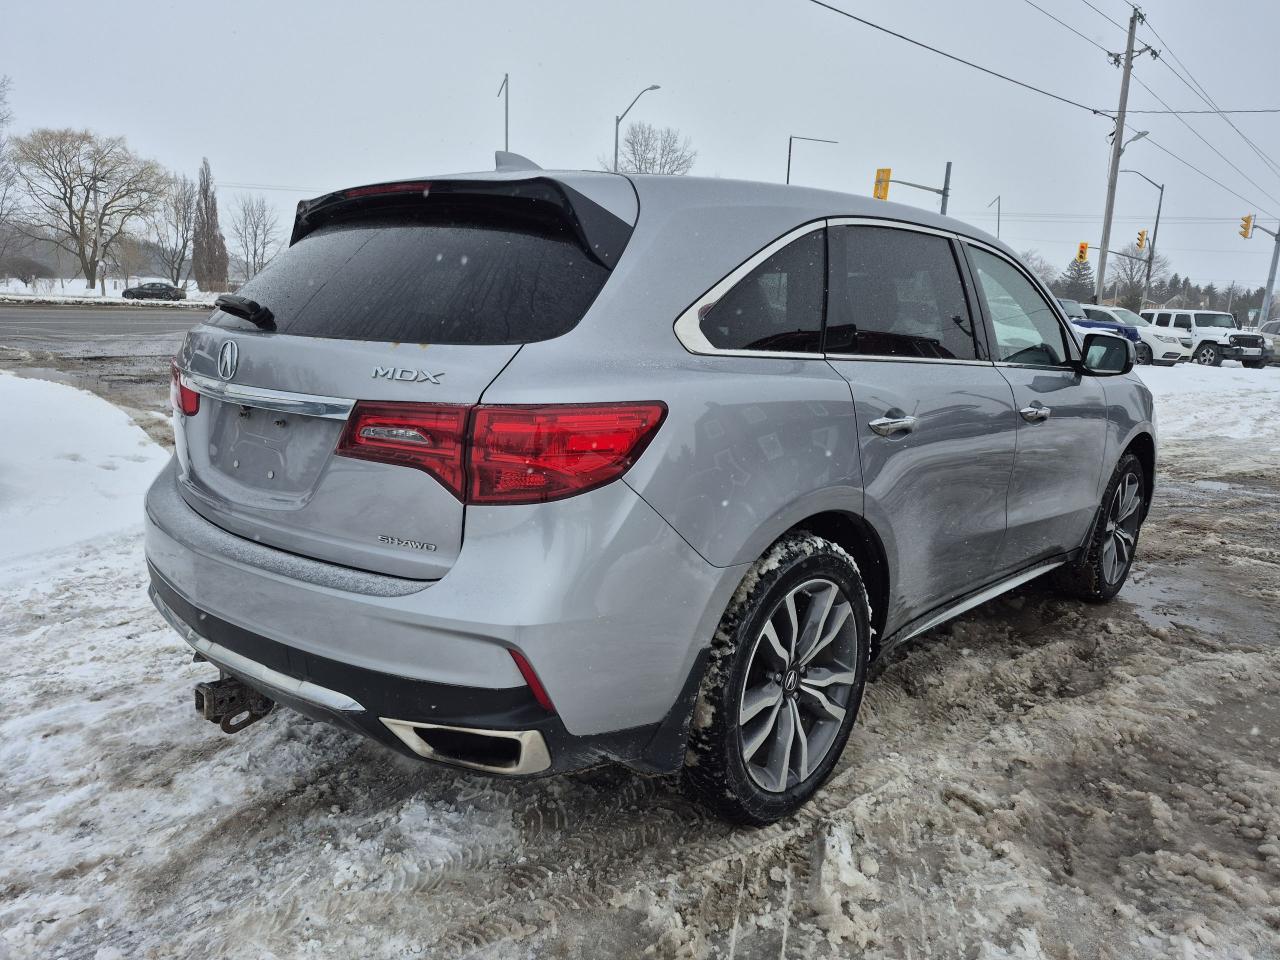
(1117, 148)
(792, 139)
(1155, 233)
(506, 111)
(1271, 274)
(946, 188)
(996, 202)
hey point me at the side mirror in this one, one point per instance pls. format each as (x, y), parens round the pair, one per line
(1106, 355)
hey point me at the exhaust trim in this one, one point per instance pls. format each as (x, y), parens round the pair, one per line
(237, 663)
(534, 757)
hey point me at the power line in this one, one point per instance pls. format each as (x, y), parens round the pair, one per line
(1104, 16)
(1068, 26)
(1199, 90)
(1192, 166)
(1190, 112)
(1202, 139)
(967, 63)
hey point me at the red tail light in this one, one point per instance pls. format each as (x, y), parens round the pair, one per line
(181, 397)
(531, 678)
(427, 436)
(501, 454)
(535, 454)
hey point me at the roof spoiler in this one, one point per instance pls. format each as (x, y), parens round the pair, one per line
(505, 160)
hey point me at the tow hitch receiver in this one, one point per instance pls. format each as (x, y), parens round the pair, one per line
(231, 704)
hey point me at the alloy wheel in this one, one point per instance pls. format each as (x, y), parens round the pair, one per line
(798, 685)
(1206, 356)
(1123, 518)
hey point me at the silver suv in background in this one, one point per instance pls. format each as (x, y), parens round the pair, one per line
(528, 471)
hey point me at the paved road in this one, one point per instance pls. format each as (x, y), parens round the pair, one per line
(79, 330)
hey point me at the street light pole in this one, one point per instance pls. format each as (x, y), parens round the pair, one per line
(793, 139)
(1271, 275)
(506, 111)
(617, 121)
(996, 202)
(1155, 235)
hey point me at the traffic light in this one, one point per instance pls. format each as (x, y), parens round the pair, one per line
(881, 190)
(1246, 226)
(1082, 252)
(1142, 239)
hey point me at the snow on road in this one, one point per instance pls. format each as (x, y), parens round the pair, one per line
(1037, 780)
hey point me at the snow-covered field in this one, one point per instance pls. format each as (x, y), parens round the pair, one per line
(75, 292)
(1037, 780)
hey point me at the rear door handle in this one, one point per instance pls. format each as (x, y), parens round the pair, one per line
(888, 426)
(1037, 412)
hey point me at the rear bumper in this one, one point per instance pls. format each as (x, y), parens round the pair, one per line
(613, 610)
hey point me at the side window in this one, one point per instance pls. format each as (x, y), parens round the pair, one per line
(777, 306)
(1163, 320)
(897, 293)
(1025, 327)
(1182, 321)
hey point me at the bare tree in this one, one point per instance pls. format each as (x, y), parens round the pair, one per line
(173, 226)
(1128, 275)
(648, 149)
(1042, 268)
(256, 230)
(10, 238)
(129, 257)
(82, 191)
(208, 247)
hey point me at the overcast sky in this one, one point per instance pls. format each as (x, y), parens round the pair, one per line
(318, 95)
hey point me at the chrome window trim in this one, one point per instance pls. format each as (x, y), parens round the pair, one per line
(688, 328)
(890, 224)
(282, 401)
(884, 357)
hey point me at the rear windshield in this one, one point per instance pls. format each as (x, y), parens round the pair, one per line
(418, 277)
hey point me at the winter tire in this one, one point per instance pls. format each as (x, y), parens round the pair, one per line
(1144, 354)
(784, 683)
(1208, 355)
(1099, 575)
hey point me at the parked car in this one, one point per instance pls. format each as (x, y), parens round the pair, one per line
(1162, 349)
(1271, 333)
(535, 476)
(1214, 336)
(154, 291)
(1086, 323)
(1073, 309)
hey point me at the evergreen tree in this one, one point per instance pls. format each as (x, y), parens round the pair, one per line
(1077, 281)
(209, 248)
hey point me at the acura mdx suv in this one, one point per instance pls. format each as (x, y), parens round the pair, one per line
(527, 471)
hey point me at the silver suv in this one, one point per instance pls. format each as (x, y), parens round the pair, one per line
(528, 471)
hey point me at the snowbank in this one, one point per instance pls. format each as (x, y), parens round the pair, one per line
(1227, 402)
(72, 467)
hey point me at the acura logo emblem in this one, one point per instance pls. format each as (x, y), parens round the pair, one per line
(228, 357)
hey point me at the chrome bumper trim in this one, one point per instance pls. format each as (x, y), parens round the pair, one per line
(534, 757)
(234, 662)
(331, 408)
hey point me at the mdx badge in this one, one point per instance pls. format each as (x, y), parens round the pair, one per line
(228, 358)
(406, 374)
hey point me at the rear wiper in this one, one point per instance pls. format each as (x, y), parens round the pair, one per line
(246, 309)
